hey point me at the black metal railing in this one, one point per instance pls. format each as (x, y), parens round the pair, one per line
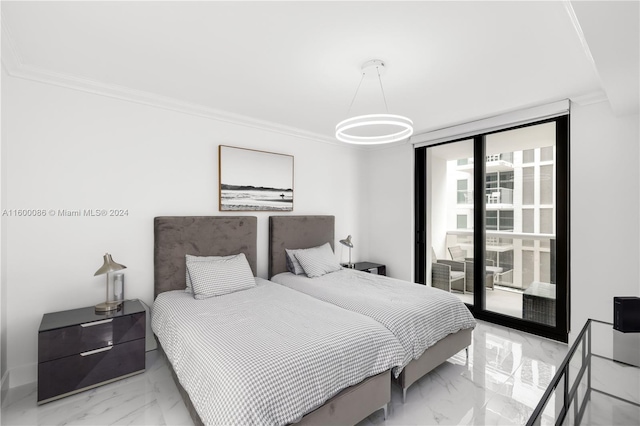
(571, 398)
(569, 393)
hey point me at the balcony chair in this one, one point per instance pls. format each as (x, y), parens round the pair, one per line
(489, 280)
(457, 254)
(447, 275)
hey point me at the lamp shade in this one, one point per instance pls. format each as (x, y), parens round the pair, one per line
(109, 266)
(397, 128)
(347, 242)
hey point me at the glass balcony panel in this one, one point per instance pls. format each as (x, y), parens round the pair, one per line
(575, 364)
(570, 419)
(552, 410)
(513, 277)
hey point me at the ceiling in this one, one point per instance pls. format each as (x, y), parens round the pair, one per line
(294, 67)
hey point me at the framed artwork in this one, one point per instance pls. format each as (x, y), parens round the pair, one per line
(252, 180)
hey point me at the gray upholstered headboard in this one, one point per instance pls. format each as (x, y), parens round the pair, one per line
(296, 232)
(175, 236)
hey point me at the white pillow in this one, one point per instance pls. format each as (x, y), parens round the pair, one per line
(293, 265)
(192, 258)
(220, 276)
(318, 261)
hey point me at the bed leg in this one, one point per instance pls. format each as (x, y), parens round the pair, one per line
(467, 351)
(404, 395)
(384, 407)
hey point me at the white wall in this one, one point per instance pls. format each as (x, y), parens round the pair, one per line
(605, 206)
(605, 233)
(68, 149)
(4, 383)
(389, 223)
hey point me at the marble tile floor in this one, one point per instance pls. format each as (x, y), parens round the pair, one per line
(501, 383)
(604, 410)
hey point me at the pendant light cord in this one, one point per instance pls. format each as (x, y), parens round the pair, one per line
(382, 90)
(384, 97)
(355, 94)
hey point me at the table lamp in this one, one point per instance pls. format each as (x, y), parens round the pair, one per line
(108, 266)
(347, 242)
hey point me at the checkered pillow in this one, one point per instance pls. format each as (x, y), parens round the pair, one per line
(318, 261)
(191, 258)
(222, 276)
(293, 265)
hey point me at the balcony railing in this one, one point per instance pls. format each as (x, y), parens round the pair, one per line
(506, 157)
(500, 234)
(465, 197)
(598, 375)
(465, 237)
(499, 195)
(507, 250)
(494, 196)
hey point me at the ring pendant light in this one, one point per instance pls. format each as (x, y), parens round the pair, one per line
(402, 127)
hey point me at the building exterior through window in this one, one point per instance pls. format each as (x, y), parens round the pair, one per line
(519, 199)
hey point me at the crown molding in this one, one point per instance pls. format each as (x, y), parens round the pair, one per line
(15, 67)
(10, 57)
(590, 98)
(158, 101)
(593, 97)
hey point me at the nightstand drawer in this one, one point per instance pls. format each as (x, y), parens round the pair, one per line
(73, 373)
(72, 340)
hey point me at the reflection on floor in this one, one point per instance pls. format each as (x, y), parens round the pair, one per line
(501, 300)
(501, 383)
(604, 410)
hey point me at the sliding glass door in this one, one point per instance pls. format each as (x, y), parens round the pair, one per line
(450, 217)
(501, 197)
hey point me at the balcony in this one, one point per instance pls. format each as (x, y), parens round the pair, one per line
(499, 197)
(464, 238)
(496, 198)
(494, 163)
(524, 257)
(499, 163)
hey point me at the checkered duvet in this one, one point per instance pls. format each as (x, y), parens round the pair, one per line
(267, 355)
(419, 316)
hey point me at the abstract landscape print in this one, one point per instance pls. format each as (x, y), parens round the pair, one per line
(252, 180)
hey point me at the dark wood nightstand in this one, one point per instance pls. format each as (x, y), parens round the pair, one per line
(81, 349)
(374, 268)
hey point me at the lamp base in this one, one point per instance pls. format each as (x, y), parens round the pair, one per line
(108, 306)
(348, 265)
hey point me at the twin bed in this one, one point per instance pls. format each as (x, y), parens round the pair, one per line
(271, 355)
(432, 325)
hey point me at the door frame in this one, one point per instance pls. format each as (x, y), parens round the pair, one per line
(562, 210)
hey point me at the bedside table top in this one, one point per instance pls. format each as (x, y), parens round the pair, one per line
(366, 265)
(61, 319)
